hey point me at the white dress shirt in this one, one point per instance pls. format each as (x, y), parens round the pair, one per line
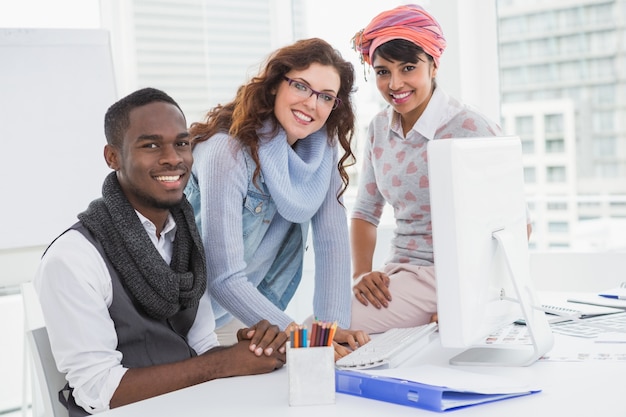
(75, 292)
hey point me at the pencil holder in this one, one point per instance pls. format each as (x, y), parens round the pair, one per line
(311, 375)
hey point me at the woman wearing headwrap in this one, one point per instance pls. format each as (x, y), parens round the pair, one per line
(403, 46)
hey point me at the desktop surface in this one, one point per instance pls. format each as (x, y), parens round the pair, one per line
(569, 388)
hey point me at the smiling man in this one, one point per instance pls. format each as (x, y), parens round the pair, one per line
(123, 291)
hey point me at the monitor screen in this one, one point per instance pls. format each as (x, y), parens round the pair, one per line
(480, 245)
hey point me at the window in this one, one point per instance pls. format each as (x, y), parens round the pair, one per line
(545, 94)
(555, 145)
(569, 18)
(601, 69)
(528, 146)
(542, 22)
(524, 125)
(513, 76)
(572, 70)
(603, 94)
(589, 204)
(603, 121)
(540, 48)
(585, 218)
(604, 146)
(571, 45)
(540, 73)
(530, 175)
(512, 26)
(558, 245)
(575, 93)
(515, 96)
(553, 123)
(512, 51)
(557, 206)
(555, 174)
(599, 13)
(605, 41)
(606, 169)
(558, 227)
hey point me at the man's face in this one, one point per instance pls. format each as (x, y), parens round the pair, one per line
(154, 162)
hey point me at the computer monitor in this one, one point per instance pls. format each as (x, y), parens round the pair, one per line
(480, 245)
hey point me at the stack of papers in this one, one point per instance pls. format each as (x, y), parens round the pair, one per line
(612, 297)
(434, 388)
(569, 309)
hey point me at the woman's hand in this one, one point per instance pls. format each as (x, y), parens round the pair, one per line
(353, 338)
(340, 351)
(373, 287)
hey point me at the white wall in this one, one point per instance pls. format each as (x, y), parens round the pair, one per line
(56, 86)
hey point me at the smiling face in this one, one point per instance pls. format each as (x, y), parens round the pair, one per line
(154, 160)
(407, 86)
(301, 116)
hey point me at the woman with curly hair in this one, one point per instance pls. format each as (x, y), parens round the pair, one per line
(269, 165)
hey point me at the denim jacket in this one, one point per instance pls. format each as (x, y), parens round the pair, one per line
(280, 283)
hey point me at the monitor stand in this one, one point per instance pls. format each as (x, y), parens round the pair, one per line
(537, 324)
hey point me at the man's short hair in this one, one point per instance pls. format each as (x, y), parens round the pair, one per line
(117, 117)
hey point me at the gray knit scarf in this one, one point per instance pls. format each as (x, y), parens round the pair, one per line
(161, 289)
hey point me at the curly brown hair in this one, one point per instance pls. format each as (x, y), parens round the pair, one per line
(254, 103)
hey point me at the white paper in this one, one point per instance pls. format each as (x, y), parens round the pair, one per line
(595, 299)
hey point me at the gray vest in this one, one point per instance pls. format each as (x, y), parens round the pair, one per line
(143, 340)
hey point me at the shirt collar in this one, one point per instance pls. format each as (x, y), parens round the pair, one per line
(169, 230)
(432, 118)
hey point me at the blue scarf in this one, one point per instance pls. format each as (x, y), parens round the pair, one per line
(297, 178)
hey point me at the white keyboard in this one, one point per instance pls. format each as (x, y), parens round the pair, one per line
(389, 349)
(593, 326)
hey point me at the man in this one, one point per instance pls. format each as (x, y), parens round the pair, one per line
(123, 291)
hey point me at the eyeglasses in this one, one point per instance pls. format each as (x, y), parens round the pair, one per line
(302, 90)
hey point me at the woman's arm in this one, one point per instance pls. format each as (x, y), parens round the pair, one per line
(331, 246)
(363, 244)
(223, 181)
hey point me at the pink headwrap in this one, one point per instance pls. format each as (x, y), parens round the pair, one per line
(410, 22)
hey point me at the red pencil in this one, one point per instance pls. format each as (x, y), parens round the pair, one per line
(313, 335)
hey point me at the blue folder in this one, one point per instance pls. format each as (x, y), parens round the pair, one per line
(412, 394)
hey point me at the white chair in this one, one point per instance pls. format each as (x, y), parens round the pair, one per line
(18, 265)
(47, 381)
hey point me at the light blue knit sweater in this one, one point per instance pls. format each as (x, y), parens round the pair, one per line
(220, 167)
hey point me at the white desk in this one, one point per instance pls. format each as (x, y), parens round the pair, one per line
(569, 389)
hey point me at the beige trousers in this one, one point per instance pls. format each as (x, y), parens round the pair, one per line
(414, 300)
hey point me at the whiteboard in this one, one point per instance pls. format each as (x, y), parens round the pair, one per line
(55, 86)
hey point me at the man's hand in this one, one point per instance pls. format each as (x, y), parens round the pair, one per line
(373, 287)
(244, 362)
(265, 338)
